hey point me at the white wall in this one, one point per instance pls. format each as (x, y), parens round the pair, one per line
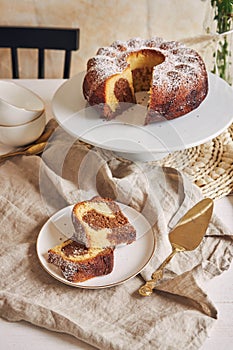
(100, 23)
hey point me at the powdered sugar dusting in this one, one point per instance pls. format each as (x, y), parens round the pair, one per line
(181, 63)
(175, 80)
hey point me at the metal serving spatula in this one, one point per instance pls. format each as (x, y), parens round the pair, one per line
(185, 236)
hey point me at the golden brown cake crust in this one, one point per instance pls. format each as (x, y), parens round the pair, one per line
(179, 81)
(68, 257)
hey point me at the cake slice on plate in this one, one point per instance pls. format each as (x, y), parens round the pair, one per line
(99, 226)
(78, 263)
(100, 223)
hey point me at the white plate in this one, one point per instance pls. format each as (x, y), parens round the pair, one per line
(129, 260)
(126, 134)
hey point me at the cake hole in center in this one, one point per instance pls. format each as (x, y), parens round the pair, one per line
(141, 65)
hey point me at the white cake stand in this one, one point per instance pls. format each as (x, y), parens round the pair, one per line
(126, 135)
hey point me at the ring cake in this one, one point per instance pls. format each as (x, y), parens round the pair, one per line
(174, 76)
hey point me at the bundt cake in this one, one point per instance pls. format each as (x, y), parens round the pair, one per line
(174, 75)
(78, 263)
(100, 223)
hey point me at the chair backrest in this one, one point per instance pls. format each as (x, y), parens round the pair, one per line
(39, 38)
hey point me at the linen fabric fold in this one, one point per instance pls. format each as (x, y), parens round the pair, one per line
(178, 315)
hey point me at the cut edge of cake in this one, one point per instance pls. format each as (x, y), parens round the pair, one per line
(99, 223)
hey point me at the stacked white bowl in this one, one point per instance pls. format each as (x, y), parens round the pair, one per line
(22, 115)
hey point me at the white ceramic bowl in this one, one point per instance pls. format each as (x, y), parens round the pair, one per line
(21, 135)
(18, 105)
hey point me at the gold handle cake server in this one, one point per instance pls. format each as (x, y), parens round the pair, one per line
(185, 236)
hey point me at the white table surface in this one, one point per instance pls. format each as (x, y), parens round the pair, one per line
(24, 336)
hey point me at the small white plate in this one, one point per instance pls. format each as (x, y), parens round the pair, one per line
(127, 136)
(129, 260)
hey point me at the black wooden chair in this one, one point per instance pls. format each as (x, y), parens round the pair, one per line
(42, 39)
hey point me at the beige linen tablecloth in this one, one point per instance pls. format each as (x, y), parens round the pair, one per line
(178, 315)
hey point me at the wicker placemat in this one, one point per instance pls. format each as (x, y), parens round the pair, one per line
(209, 166)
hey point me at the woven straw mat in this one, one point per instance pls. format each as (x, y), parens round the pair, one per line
(209, 166)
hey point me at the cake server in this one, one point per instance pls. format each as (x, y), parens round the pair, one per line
(185, 236)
